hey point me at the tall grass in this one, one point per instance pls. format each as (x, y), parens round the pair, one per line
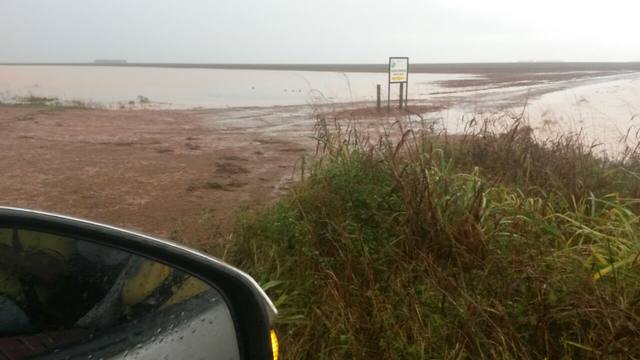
(416, 245)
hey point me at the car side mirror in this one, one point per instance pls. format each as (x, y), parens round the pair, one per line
(74, 289)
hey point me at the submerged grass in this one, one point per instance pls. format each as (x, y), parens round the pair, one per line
(492, 244)
(141, 102)
(49, 102)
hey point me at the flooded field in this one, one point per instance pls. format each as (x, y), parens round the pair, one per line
(186, 88)
(203, 88)
(608, 113)
(605, 110)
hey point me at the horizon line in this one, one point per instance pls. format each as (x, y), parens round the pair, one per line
(457, 67)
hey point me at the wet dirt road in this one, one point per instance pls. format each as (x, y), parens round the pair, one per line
(179, 174)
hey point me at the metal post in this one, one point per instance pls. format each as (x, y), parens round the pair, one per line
(406, 94)
(389, 97)
(401, 93)
(378, 96)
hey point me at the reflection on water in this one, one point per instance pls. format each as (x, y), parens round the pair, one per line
(603, 111)
(209, 88)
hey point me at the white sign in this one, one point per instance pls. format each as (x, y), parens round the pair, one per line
(398, 70)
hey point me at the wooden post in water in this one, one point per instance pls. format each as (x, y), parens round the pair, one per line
(401, 94)
(378, 96)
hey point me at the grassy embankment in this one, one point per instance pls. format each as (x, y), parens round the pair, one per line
(494, 244)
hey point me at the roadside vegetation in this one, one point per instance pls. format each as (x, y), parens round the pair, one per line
(417, 245)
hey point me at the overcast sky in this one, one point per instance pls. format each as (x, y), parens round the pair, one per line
(319, 31)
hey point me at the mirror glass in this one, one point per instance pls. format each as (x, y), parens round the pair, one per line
(65, 298)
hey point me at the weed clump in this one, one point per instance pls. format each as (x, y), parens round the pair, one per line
(490, 244)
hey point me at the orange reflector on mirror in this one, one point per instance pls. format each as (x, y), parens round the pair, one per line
(274, 344)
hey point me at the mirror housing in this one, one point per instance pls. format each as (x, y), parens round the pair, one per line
(252, 311)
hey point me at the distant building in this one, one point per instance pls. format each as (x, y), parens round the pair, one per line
(109, 61)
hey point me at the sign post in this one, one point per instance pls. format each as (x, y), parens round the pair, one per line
(398, 74)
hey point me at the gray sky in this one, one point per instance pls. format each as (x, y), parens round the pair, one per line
(319, 31)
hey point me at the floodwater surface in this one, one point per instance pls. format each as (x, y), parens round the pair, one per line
(605, 111)
(601, 107)
(206, 88)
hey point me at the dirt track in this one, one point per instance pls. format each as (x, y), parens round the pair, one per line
(169, 173)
